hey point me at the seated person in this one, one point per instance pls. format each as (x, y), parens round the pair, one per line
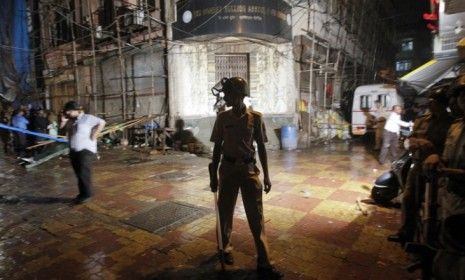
(182, 136)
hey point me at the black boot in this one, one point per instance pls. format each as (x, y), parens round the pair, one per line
(227, 257)
(269, 273)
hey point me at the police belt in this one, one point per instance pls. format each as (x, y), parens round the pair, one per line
(457, 187)
(238, 161)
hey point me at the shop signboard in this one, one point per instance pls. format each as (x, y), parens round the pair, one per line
(268, 20)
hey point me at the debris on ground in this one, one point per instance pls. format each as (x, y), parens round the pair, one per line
(360, 207)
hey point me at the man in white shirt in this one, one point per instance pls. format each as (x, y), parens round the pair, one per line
(82, 131)
(391, 134)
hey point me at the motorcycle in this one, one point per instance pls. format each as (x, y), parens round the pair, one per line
(391, 183)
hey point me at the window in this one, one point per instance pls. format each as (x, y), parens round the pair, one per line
(403, 65)
(365, 102)
(407, 45)
(232, 65)
(385, 100)
(61, 30)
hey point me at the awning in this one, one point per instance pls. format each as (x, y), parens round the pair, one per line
(448, 75)
(423, 76)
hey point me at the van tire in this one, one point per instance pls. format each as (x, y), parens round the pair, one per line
(353, 136)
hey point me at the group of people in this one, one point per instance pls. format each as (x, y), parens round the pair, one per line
(387, 129)
(437, 145)
(80, 129)
(24, 118)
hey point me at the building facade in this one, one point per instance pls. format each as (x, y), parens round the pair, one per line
(123, 59)
(216, 39)
(107, 55)
(296, 68)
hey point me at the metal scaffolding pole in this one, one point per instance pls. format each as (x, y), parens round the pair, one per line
(152, 59)
(310, 89)
(326, 77)
(325, 88)
(75, 66)
(122, 68)
(94, 59)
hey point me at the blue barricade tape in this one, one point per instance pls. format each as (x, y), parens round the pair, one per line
(43, 135)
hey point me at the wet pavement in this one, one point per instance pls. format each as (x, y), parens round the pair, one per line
(315, 229)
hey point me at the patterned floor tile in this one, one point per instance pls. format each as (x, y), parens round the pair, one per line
(312, 222)
(312, 191)
(341, 211)
(292, 201)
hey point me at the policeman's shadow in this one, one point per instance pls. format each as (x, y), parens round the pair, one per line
(208, 269)
(16, 199)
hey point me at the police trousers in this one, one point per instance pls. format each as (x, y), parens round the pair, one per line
(379, 130)
(412, 200)
(246, 177)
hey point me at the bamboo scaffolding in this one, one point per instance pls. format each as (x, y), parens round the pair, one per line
(109, 129)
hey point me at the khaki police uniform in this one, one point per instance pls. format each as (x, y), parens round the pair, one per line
(448, 263)
(238, 170)
(433, 129)
(453, 199)
(380, 115)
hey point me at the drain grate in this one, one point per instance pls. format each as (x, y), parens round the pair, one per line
(166, 216)
(173, 175)
(135, 160)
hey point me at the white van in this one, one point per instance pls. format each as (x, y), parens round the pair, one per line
(364, 98)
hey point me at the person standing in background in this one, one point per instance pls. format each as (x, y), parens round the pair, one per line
(5, 134)
(19, 121)
(380, 115)
(82, 131)
(391, 134)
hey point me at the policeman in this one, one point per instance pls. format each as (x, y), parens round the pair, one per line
(429, 134)
(449, 259)
(234, 132)
(452, 162)
(380, 115)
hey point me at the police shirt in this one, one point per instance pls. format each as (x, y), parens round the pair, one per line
(454, 151)
(454, 155)
(432, 128)
(237, 133)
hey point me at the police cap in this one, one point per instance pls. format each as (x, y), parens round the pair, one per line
(235, 85)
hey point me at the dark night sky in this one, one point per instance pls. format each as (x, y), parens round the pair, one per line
(407, 14)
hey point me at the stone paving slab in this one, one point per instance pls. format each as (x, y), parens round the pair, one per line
(312, 222)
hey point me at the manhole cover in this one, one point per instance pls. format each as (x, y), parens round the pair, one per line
(166, 216)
